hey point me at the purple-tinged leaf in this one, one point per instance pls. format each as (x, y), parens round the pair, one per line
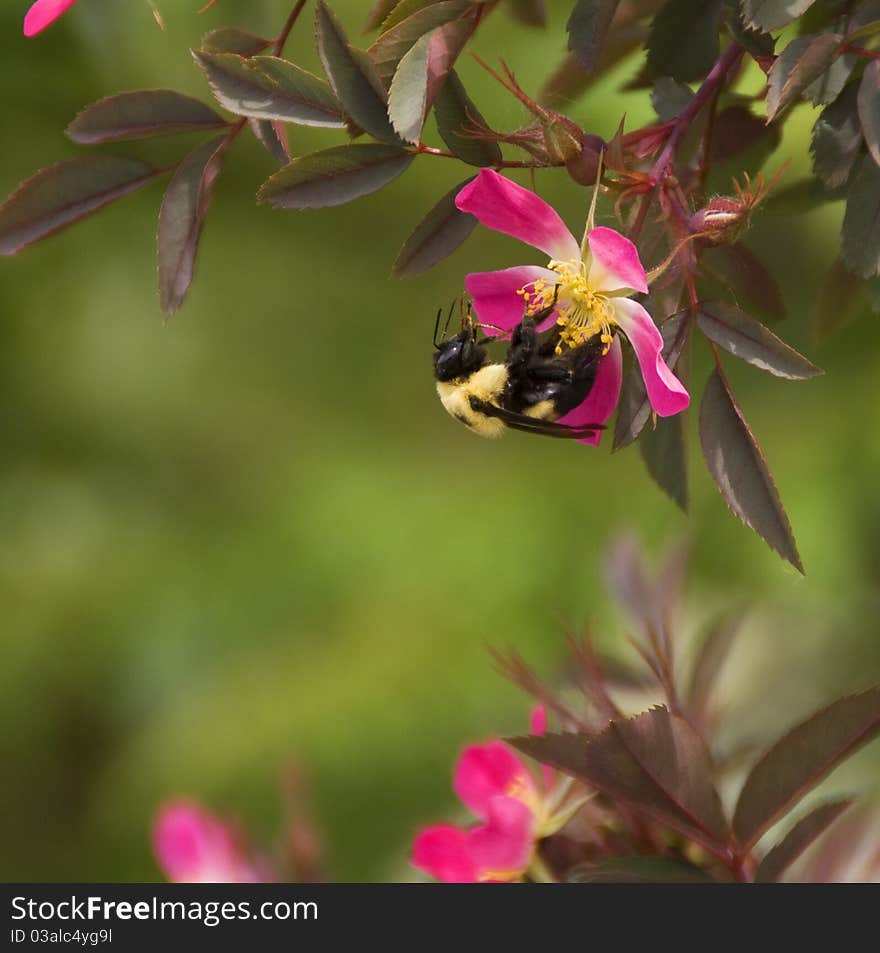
(142, 113)
(587, 28)
(664, 452)
(438, 234)
(830, 84)
(380, 10)
(796, 763)
(737, 128)
(334, 176)
(746, 277)
(802, 62)
(798, 839)
(638, 870)
(527, 12)
(420, 76)
(869, 108)
(655, 762)
(353, 77)
(740, 471)
(750, 341)
(634, 408)
(64, 193)
(266, 87)
(456, 115)
(841, 298)
(767, 15)
(390, 48)
(181, 219)
(710, 659)
(406, 9)
(627, 579)
(861, 221)
(272, 135)
(230, 39)
(837, 139)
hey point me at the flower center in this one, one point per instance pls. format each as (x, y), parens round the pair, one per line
(582, 312)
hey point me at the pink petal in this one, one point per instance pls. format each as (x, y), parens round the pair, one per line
(193, 846)
(44, 12)
(444, 853)
(602, 399)
(502, 847)
(486, 771)
(507, 207)
(538, 720)
(665, 391)
(615, 262)
(495, 297)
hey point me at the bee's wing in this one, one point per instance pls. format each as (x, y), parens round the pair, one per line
(527, 424)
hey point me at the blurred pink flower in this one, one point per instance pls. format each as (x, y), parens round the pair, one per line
(590, 285)
(193, 846)
(43, 13)
(515, 812)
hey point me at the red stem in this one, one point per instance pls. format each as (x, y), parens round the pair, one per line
(663, 166)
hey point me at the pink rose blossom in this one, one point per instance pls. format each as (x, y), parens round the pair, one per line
(590, 285)
(514, 810)
(193, 846)
(43, 13)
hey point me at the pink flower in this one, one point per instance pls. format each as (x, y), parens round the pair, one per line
(193, 846)
(514, 811)
(590, 284)
(43, 13)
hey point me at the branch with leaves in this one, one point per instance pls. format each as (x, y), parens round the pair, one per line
(723, 80)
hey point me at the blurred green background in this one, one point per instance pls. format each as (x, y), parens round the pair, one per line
(251, 534)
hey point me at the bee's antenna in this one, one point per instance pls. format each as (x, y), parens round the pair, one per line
(449, 318)
(437, 328)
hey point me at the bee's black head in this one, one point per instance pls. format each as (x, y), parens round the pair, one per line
(460, 356)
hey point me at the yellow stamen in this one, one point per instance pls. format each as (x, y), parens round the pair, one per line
(582, 312)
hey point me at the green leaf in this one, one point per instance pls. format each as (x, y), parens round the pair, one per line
(270, 134)
(437, 235)
(266, 87)
(755, 42)
(456, 114)
(750, 341)
(420, 75)
(743, 275)
(230, 39)
(739, 470)
(353, 78)
(801, 759)
(830, 84)
(655, 762)
(664, 451)
(669, 97)
(64, 193)
(639, 870)
(710, 659)
(145, 112)
(181, 219)
(380, 10)
(861, 221)
(390, 48)
(587, 28)
(869, 108)
(403, 10)
(527, 12)
(334, 176)
(634, 409)
(769, 15)
(684, 40)
(798, 839)
(837, 139)
(800, 63)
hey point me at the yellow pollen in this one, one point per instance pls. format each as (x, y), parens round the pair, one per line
(582, 312)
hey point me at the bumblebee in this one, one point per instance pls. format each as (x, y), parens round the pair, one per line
(530, 391)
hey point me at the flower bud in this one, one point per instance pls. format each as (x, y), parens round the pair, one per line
(584, 167)
(723, 221)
